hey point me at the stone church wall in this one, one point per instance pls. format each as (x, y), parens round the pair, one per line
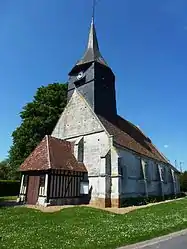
(79, 122)
(77, 119)
(122, 176)
(131, 180)
(96, 146)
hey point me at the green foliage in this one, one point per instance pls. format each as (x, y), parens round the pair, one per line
(183, 181)
(138, 201)
(9, 187)
(88, 228)
(4, 169)
(39, 118)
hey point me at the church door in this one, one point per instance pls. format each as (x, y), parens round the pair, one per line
(33, 189)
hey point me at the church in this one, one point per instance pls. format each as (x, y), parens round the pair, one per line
(93, 155)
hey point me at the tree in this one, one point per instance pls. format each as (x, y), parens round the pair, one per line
(4, 169)
(183, 181)
(39, 118)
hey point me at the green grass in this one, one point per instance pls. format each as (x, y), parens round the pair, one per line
(8, 198)
(88, 228)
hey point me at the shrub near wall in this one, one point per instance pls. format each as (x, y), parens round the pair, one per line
(138, 201)
(9, 187)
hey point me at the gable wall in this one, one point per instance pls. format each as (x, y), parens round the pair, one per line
(77, 119)
(76, 122)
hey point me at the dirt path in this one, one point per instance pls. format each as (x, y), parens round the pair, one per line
(125, 210)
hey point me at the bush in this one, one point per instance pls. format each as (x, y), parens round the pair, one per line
(142, 200)
(9, 187)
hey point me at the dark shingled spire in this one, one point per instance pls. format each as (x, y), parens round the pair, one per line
(92, 52)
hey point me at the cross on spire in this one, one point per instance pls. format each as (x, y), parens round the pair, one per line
(93, 9)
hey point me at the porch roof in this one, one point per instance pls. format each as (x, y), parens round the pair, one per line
(52, 153)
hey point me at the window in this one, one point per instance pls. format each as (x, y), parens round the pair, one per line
(156, 174)
(163, 174)
(141, 170)
(147, 173)
(170, 177)
(42, 181)
(122, 170)
(81, 150)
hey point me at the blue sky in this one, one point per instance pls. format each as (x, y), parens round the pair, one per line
(144, 42)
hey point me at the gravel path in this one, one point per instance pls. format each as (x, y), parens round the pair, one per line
(113, 210)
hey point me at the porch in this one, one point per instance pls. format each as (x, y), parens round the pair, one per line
(51, 175)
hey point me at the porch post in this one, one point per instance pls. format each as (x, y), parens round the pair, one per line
(46, 184)
(21, 186)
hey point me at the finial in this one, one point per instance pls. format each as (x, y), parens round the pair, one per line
(93, 10)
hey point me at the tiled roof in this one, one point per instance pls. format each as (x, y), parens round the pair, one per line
(52, 153)
(131, 137)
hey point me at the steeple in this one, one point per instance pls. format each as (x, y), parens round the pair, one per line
(92, 53)
(94, 79)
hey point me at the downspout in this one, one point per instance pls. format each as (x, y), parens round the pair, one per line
(111, 170)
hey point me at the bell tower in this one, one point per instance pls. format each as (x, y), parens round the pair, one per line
(94, 79)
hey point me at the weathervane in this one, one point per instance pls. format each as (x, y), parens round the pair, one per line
(94, 3)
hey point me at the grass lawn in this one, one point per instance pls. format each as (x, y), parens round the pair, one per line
(8, 198)
(88, 228)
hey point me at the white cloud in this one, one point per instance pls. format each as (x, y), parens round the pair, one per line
(166, 146)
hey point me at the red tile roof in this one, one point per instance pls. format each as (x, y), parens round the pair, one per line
(128, 135)
(52, 153)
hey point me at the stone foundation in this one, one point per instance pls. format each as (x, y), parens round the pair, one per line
(115, 203)
(104, 203)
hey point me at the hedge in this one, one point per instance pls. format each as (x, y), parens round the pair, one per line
(138, 201)
(9, 187)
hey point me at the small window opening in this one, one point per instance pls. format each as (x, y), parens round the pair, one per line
(42, 181)
(81, 150)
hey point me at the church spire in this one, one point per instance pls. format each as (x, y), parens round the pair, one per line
(94, 79)
(92, 52)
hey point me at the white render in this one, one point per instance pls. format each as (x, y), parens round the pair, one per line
(77, 122)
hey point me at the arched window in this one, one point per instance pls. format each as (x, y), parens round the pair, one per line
(81, 150)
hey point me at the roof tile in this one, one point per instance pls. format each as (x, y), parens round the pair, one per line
(52, 153)
(128, 135)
